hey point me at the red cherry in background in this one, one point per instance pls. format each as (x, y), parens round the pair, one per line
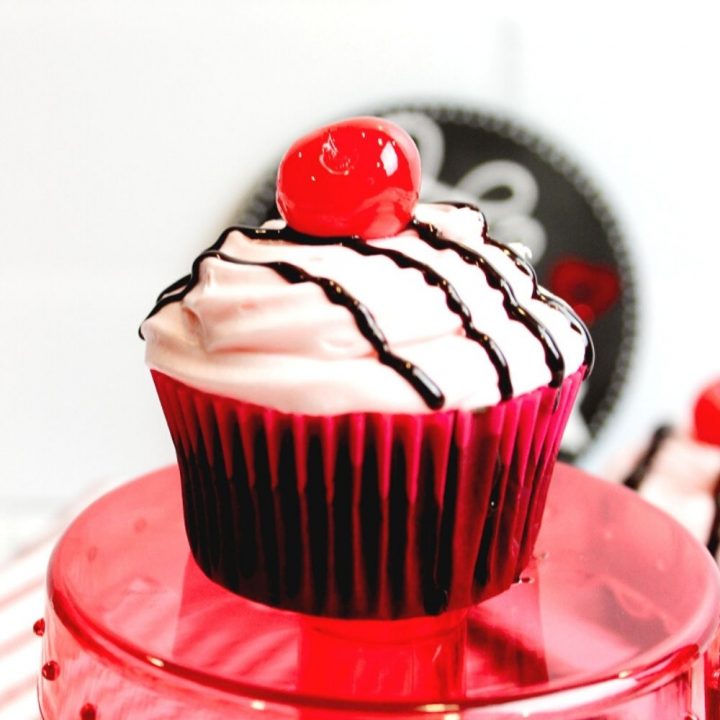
(355, 177)
(707, 414)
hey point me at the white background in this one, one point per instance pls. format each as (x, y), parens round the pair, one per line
(130, 131)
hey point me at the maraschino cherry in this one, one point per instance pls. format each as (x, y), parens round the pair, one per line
(358, 177)
(707, 414)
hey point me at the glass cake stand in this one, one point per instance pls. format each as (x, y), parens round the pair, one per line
(616, 617)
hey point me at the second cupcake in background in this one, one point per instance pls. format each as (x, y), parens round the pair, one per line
(678, 469)
(367, 399)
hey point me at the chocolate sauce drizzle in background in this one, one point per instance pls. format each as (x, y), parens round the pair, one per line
(643, 466)
(364, 319)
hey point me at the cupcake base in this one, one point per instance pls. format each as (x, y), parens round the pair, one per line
(364, 515)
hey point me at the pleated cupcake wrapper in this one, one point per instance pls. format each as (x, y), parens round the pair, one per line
(364, 515)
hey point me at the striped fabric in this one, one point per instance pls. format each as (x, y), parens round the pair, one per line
(22, 602)
(22, 599)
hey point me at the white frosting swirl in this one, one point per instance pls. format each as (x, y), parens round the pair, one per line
(243, 331)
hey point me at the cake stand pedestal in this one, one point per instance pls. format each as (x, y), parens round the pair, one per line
(615, 618)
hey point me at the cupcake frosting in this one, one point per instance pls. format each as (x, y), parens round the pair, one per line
(438, 316)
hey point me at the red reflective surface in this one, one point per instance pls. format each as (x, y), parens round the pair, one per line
(615, 617)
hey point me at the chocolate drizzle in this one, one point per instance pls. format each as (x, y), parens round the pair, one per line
(713, 542)
(336, 294)
(452, 298)
(549, 299)
(635, 478)
(455, 304)
(553, 356)
(366, 323)
(537, 293)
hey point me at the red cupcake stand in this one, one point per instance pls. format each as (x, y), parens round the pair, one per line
(615, 618)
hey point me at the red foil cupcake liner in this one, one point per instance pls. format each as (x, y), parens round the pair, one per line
(364, 515)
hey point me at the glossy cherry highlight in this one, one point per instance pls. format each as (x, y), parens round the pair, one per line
(707, 414)
(358, 177)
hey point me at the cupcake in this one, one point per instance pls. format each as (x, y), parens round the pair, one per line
(678, 470)
(367, 397)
